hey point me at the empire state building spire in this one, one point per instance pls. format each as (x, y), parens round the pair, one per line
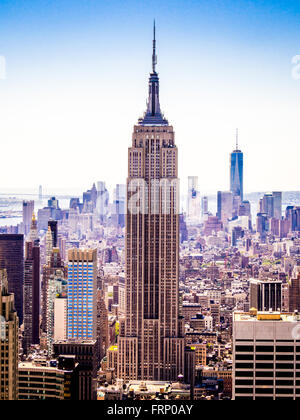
(154, 56)
(153, 114)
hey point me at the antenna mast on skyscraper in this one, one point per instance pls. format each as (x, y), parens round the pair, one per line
(154, 56)
(237, 139)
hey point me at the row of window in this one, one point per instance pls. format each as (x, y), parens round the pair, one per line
(288, 366)
(267, 349)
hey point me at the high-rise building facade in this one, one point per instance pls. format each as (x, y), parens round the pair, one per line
(54, 272)
(262, 224)
(12, 259)
(56, 308)
(225, 206)
(237, 172)
(55, 380)
(48, 244)
(33, 233)
(9, 342)
(266, 356)
(32, 295)
(82, 294)
(151, 343)
(53, 227)
(28, 209)
(277, 200)
(85, 352)
(102, 325)
(294, 290)
(271, 205)
(268, 205)
(293, 216)
(266, 295)
(204, 206)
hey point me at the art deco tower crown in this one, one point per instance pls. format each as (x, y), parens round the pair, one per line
(153, 114)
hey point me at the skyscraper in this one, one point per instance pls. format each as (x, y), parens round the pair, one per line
(294, 290)
(12, 259)
(204, 206)
(48, 244)
(28, 209)
(32, 295)
(33, 233)
(56, 306)
(225, 206)
(151, 343)
(53, 272)
(82, 294)
(9, 343)
(268, 205)
(102, 325)
(53, 227)
(277, 199)
(85, 352)
(266, 295)
(271, 204)
(237, 171)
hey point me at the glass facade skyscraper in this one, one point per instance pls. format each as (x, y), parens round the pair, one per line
(82, 288)
(237, 173)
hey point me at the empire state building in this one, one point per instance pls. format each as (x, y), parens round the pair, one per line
(151, 343)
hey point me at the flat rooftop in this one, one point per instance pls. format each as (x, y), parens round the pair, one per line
(265, 316)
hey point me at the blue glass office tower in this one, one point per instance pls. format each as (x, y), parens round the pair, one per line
(237, 172)
(82, 293)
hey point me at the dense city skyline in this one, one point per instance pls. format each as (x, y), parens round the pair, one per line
(223, 68)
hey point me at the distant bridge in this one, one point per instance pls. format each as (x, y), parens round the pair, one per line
(43, 197)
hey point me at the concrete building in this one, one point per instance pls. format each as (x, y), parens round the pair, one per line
(60, 318)
(56, 380)
(266, 356)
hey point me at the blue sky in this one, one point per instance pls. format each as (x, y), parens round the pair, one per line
(76, 84)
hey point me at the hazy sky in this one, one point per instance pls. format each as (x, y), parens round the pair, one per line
(76, 83)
